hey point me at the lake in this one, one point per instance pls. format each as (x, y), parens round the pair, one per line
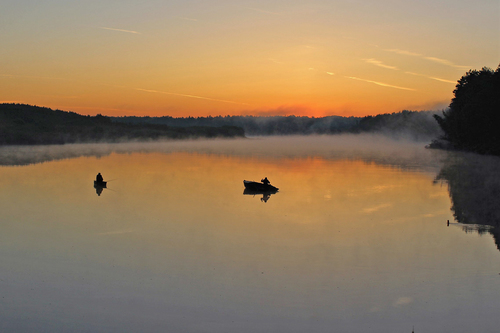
(356, 239)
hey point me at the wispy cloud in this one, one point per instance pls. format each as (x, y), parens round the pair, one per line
(190, 96)
(441, 80)
(445, 62)
(431, 77)
(379, 83)
(433, 59)
(330, 73)
(379, 63)
(121, 30)
(404, 52)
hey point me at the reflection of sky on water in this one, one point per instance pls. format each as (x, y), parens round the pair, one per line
(347, 244)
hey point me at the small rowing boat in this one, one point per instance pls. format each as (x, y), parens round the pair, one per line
(259, 187)
(100, 184)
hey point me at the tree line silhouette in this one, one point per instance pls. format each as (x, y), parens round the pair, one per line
(30, 125)
(22, 124)
(472, 122)
(418, 125)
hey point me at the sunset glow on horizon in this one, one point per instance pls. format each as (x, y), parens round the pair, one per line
(248, 57)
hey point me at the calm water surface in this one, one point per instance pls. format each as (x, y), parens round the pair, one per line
(355, 240)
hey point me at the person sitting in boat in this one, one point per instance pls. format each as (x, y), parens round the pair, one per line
(99, 178)
(265, 181)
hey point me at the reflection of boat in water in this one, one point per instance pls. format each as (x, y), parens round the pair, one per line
(99, 186)
(265, 194)
(259, 187)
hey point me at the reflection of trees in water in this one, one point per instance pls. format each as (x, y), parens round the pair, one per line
(474, 187)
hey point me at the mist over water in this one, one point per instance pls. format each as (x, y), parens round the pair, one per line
(354, 241)
(370, 147)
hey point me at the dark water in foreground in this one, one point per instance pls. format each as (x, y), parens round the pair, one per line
(356, 239)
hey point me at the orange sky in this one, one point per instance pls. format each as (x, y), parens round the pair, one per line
(221, 57)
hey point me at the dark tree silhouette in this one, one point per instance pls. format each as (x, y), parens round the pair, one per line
(26, 124)
(473, 120)
(417, 125)
(22, 124)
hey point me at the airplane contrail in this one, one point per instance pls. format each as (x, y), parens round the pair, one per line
(379, 83)
(121, 30)
(190, 96)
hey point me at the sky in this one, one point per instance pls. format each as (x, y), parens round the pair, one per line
(242, 57)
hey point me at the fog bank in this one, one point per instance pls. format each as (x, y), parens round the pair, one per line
(374, 148)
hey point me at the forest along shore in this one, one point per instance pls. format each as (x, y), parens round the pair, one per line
(22, 124)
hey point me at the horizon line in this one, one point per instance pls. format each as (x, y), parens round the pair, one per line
(210, 116)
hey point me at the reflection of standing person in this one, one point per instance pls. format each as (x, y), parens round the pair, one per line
(99, 178)
(265, 181)
(98, 190)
